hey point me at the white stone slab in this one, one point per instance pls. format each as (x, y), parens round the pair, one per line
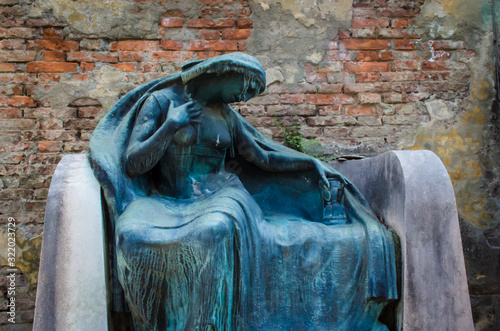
(71, 293)
(412, 192)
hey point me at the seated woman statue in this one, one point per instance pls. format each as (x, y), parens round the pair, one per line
(217, 227)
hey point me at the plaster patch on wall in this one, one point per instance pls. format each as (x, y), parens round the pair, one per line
(308, 11)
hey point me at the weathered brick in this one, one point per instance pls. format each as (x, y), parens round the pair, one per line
(369, 120)
(331, 56)
(216, 45)
(292, 98)
(86, 56)
(52, 56)
(326, 99)
(50, 113)
(126, 67)
(345, 34)
(80, 124)
(53, 45)
(367, 88)
(208, 54)
(405, 65)
(10, 158)
(244, 23)
(394, 33)
(17, 124)
(405, 87)
(17, 101)
(398, 12)
(316, 77)
(88, 112)
(51, 67)
(77, 146)
(364, 33)
(393, 97)
(359, 22)
(210, 34)
(363, 77)
(268, 99)
(13, 44)
(252, 110)
(11, 89)
(435, 65)
(25, 33)
(465, 55)
(401, 22)
(330, 67)
(359, 110)
(85, 102)
(204, 23)
(329, 110)
(130, 56)
(446, 44)
(398, 76)
(367, 56)
(11, 113)
(440, 55)
(87, 66)
(172, 45)
(236, 34)
(404, 44)
(52, 33)
(369, 98)
(82, 77)
(366, 44)
(171, 55)
(135, 45)
(49, 78)
(387, 56)
(325, 88)
(367, 66)
(172, 22)
(7, 67)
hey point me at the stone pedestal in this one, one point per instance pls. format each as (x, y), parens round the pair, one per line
(412, 192)
(71, 293)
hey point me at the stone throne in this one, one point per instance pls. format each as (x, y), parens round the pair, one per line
(409, 190)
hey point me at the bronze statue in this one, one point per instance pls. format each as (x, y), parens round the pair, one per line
(216, 227)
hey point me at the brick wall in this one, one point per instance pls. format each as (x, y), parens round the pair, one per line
(363, 96)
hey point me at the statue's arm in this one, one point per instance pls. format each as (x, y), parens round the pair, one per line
(150, 138)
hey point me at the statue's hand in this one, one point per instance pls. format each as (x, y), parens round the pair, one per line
(184, 114)
(326, 172)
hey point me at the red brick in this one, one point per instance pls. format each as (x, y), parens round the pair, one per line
(52, 56)
(366, 44)
(344, 34)
(135, 45)
(242, 45)
(404, 44)
(434, 65)
(401, 22)
(367, 66)
(292, 98)
(149, 67)
(244, 23)
(24, 33)
(201, 45)
(87, 66)
(170, 55)
(17, 56)
(359, 110)
(130, 56)
(367, 77)
(393, 33)
(49, 146)
(405, 65)
(172, 45)
(204, 23)
(49, 78)
(327, 99)
(369, 98)
(225, 23)
(367, 88)
(387, 56)
(81, 77)
(127, 67)
(236, 34)
(172, 22)
(51, 33)
(367, 56)
(51, 67)
(210, 34)
(11, 113)
(359, 22)
(7, 67)
(52, 45)
(92, 57)
(17, 101)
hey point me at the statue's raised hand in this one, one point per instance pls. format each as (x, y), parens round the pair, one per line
(185, 114)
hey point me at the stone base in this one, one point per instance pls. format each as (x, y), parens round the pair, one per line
(410, 191)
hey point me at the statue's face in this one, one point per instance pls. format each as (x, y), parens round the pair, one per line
(227, 88)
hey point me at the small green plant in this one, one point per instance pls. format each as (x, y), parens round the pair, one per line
(294, 139)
